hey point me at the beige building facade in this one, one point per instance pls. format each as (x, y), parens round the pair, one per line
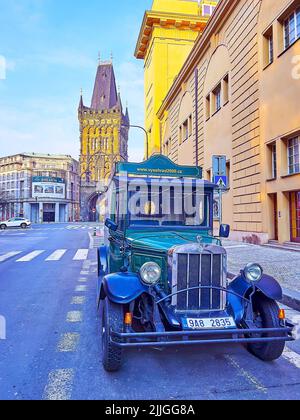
(238, 95)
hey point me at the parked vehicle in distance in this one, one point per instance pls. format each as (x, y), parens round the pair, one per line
(15, 222)
(163, 277)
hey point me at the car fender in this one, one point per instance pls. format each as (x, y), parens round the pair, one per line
(102, 259)
(122, 288)
(270, 288)
(102, 263)
(241, 289)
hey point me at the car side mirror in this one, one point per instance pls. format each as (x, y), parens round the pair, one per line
(224, 231)
(111, 225)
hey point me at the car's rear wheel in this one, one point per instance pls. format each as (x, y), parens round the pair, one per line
(266, 316)
(112, 320)
(23, 226)
(3, 227)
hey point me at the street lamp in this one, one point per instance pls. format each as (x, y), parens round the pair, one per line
(147, 136)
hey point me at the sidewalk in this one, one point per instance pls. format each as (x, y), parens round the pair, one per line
(283, 265)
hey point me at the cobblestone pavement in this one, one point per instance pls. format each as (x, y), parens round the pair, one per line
(281, 264)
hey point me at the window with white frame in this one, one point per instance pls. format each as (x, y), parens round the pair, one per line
(291, 27)
(217, 98)
(293, 155)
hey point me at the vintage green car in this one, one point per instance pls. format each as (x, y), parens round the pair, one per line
(163, 275)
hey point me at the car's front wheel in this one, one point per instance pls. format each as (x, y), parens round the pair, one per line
(266, 312)
(23, 226)
(3, 227)
(112, 320)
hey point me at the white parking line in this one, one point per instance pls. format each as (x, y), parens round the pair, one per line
(80, 289)
(292, 357)
(81, 255)
(251, 379)
(59, 386)
(31, 256)
(68, 343)
(57, 255)
(78, 300)
(74, 316)
(9, 255)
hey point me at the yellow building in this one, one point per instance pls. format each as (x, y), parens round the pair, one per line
(237, 94)
(104, 131)
(167, 35)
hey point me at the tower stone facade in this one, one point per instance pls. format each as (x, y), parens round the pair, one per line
(104, 128)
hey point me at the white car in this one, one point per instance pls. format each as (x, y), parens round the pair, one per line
(15, 222)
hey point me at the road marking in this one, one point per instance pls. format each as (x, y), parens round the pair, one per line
(248, 376)
(59, 387)
(9, 255)
(74, 316)
(68, 343)
(81, 289)
(292, 357)
(84, 273)
(57, 255)
(78, 300)
(83, 280)
(81, 255)
(31, 256)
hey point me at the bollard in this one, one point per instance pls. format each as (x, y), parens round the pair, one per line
(95, 231)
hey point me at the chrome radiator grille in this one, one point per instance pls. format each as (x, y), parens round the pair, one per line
(192, 269)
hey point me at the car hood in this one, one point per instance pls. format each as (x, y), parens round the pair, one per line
(163, 241)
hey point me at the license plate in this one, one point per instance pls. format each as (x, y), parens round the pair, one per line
(209, 323)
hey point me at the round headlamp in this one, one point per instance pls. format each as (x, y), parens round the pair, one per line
(150, 273)
(253, 272)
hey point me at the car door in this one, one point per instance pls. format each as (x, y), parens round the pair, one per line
(11, 223)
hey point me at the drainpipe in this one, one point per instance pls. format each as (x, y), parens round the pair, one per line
(196, 115)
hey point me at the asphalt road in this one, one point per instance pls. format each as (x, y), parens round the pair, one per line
(52, 346)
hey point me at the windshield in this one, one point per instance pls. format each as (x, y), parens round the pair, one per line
(169, 205)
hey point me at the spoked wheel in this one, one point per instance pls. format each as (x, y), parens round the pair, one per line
(112, 319)
(266, 316)
(2, 227)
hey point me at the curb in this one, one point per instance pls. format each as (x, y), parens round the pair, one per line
(291, 298)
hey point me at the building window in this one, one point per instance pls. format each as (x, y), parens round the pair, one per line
(268, 47)
(273, 149)
(271, 49)
(207, 9)
(190, 125)
(208, 102)
(184, 131)
(217, 98)
(228, 170)
(293, 155)
(167, 147)
(226, 89)
(291, 28)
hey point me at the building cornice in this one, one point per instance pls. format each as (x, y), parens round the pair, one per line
(166, 20)
(199, 49)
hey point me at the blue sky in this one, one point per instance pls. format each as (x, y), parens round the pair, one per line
(51, 49)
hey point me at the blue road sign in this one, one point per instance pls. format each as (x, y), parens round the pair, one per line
(219, 165)
(221, 181)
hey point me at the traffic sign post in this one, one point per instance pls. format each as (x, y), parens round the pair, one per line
(220, 178)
